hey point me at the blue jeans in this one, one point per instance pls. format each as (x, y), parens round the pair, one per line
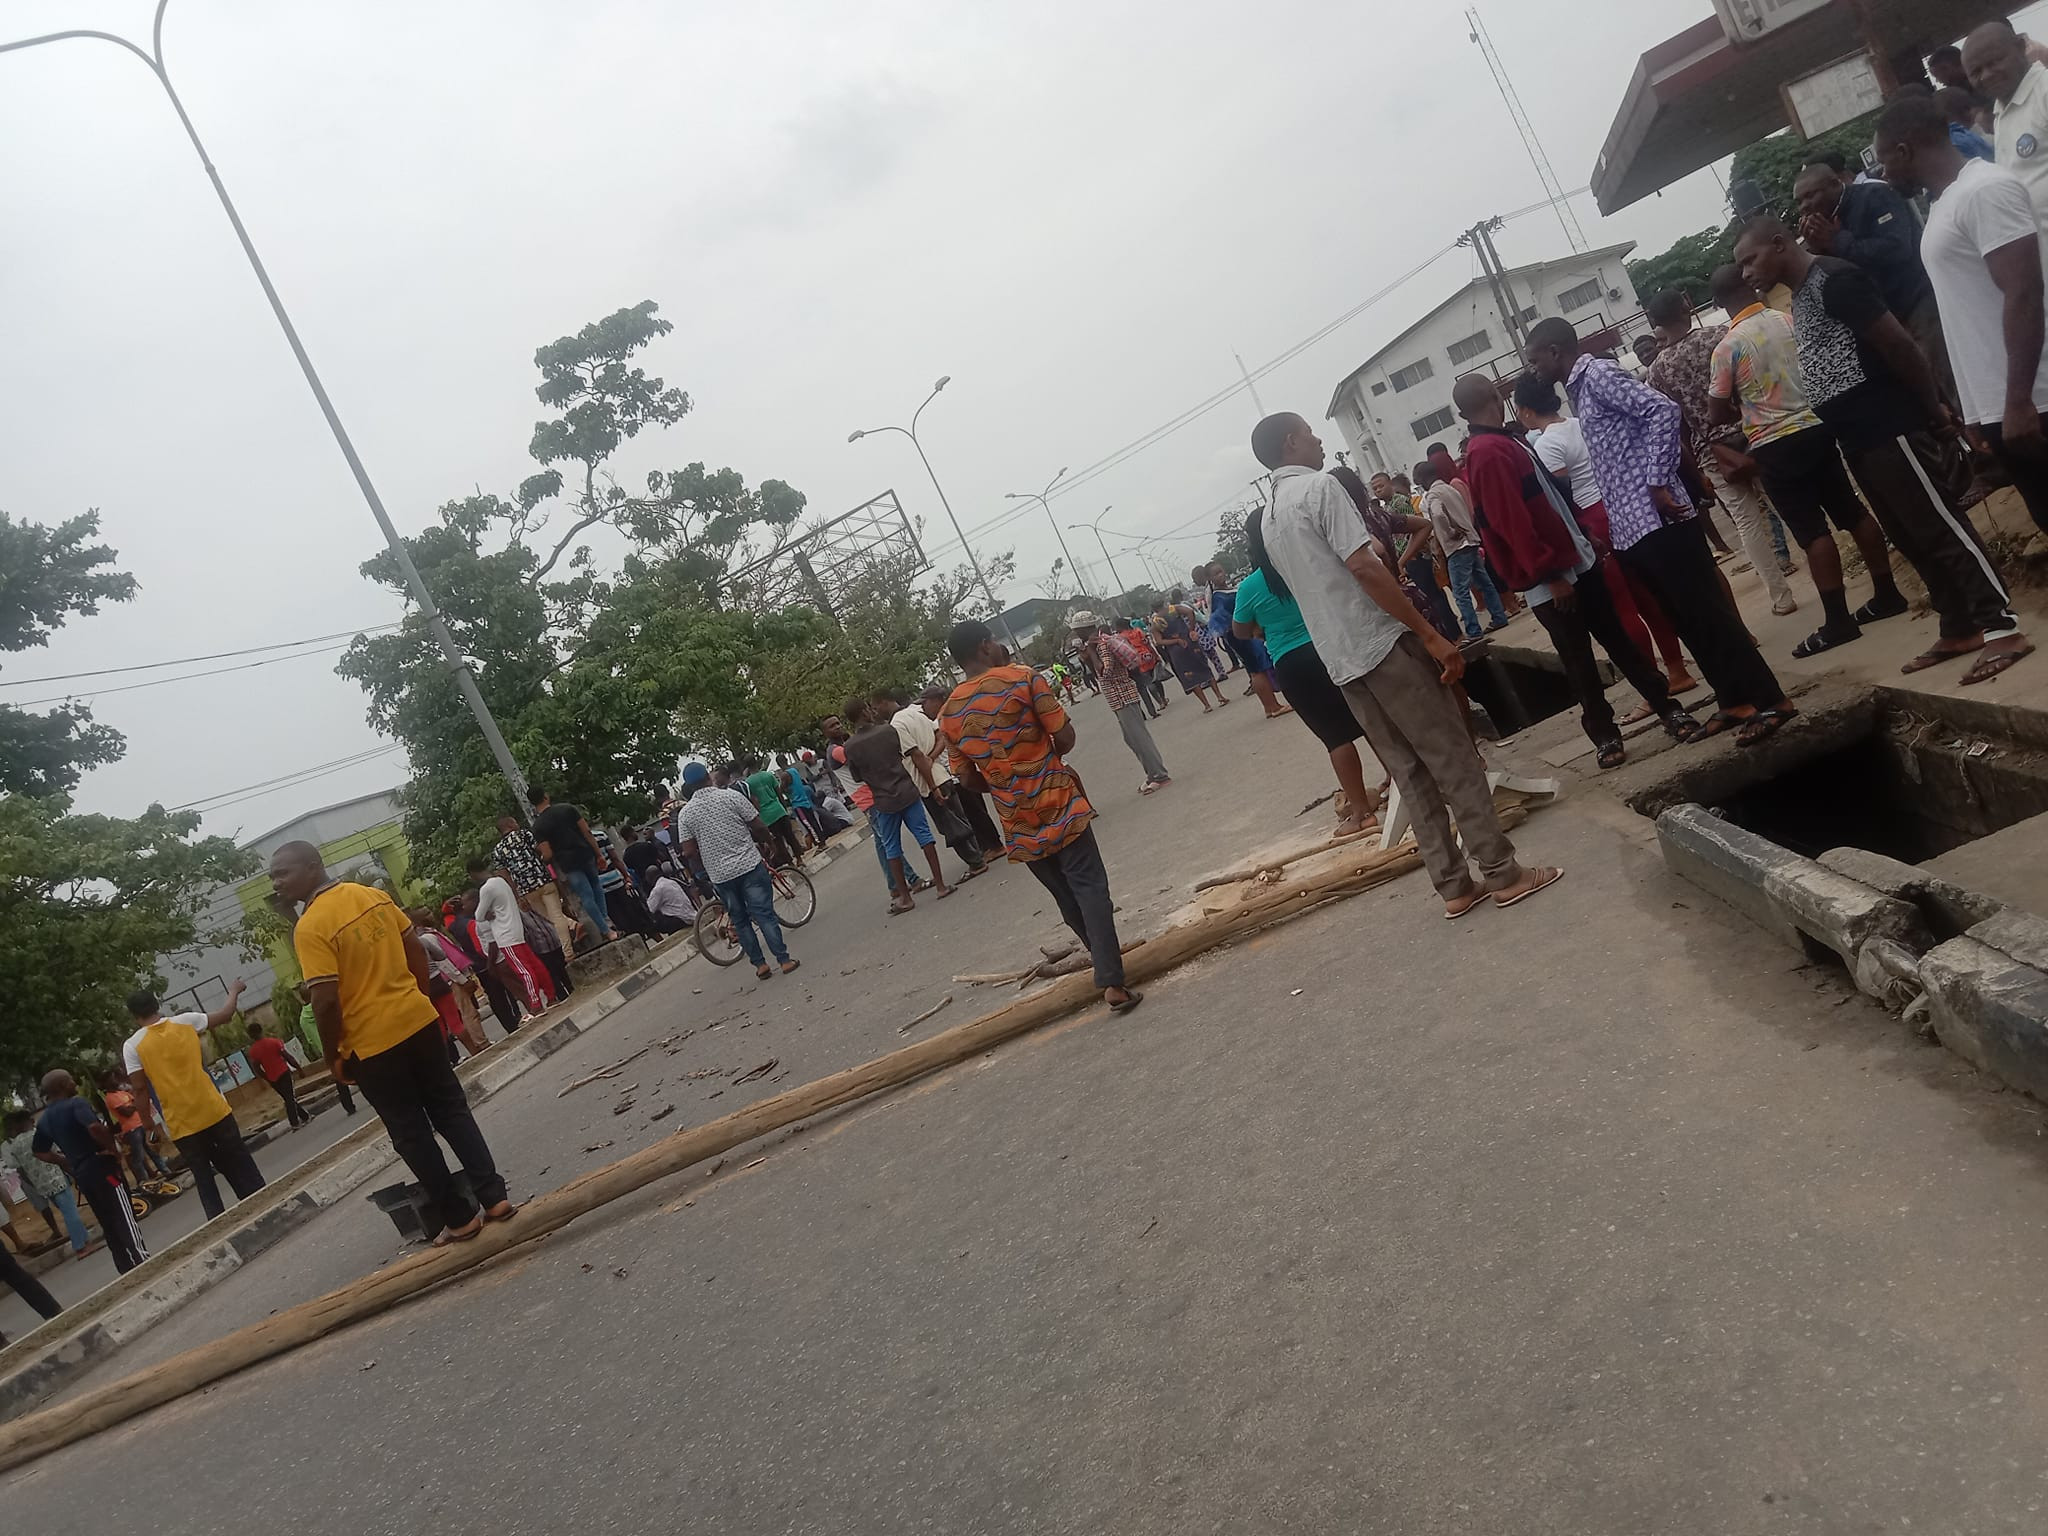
(590, 893)
(891, 825)
(888, 876)
(750, 902)
(1468, 571)
(67, 1206)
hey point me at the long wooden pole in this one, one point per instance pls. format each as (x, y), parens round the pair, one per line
(39, 1433)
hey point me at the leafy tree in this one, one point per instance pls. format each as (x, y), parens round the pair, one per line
(87, 903)
(1773, 164)
(603, 682)
(1233, 548)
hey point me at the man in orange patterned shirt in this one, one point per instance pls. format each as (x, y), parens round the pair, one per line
(1005, 732)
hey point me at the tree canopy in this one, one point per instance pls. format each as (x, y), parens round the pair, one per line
(87, 903)
(603, 680)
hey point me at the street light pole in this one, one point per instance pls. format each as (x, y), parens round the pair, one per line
(464, 679)
(910, 432)
(1108, 559)
(1040, 498)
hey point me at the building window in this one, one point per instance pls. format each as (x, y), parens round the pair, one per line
(1586, 293)
(1528, 314)
(1433, 423)
(1412, 375)
(1475, 345)
(1379, 389)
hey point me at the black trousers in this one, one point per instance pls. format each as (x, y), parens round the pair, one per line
(949, 819)
(2028, 467)
(1080, 884)
(106, 1192)
(1673, 562)
(220, 1149)
(784, 834)
(25, 1285)
(293, 1114)
(416, 1093)
(502, 1002)
(1592, 617)
(975, 809)
(557, 965)
(1914, 485)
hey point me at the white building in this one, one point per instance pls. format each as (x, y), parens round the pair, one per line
(1399, 401)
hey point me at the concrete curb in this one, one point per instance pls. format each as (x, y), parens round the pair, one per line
(49, 1358)
(1984, 985)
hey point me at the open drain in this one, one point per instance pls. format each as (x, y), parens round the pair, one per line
(1908, 775)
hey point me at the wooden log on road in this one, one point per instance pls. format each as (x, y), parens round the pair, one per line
(36, 1434)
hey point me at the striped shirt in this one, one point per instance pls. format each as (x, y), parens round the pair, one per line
(1001, 723)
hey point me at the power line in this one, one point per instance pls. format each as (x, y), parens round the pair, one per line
(145, 666)
(285, 780)
(183, 677)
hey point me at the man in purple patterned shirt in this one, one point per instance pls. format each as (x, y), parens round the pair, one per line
(1632, 437)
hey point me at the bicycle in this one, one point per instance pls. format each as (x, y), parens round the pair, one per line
(796, 902)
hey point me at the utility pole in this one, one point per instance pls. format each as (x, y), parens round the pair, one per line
(1507, 288)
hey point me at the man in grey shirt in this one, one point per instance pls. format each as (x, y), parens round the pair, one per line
(723, 827)
(1396, 671)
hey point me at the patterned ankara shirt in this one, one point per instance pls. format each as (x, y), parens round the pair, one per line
(1757, 364)
(1115, 660)
(1684, 371)
(1001, 723)
(1632, 439)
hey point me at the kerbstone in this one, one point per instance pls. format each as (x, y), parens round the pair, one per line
(1991, 1010)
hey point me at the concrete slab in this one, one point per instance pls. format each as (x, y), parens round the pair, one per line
(2010, 864)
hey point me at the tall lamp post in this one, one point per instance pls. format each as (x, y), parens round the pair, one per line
(911, 432)
(1108, 559)
(464, 679)
(1040, 497)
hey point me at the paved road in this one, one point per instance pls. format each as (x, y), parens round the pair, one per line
(75, 1279)
(1599, 1216)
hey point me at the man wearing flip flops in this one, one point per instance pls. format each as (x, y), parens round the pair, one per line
(1393, 666)
(1869, 381)
(367, 976)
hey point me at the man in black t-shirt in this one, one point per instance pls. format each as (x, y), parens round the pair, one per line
(875, 754)
(1867, 380)
(565, 839)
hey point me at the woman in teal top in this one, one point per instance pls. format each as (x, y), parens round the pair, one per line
(1265, 614)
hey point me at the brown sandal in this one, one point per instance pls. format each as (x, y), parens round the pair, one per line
(468, 1232)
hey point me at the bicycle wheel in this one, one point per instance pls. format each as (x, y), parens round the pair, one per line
(796, 899)
(714, 935)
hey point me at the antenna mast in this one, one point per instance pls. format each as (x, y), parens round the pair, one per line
(1553, 189)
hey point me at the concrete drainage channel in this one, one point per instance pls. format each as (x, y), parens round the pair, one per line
(1902, 835)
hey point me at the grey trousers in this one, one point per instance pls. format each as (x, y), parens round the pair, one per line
(1415, 727)
(1138, 737)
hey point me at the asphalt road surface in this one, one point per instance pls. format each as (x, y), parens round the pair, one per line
(1602, 1215)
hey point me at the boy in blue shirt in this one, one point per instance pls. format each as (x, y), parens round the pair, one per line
(70, 1134)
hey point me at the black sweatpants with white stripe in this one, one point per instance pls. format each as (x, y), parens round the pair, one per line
(107, 1194)
(1911, 483)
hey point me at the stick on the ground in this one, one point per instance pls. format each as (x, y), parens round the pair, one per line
(938, 1007)
(38, 1433)
(603, 1072)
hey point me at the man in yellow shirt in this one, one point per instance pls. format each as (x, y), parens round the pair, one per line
(367, 975)
(163, 1054)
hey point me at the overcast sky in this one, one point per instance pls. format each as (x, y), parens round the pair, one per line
(1076, 210)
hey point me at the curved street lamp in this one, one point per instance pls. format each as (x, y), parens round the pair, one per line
(153, 61)
(910, 432)
(1108, 559)
(1040, 498)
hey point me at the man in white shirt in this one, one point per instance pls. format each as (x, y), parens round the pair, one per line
(502, 932)
(669, 904)
(1450, 519)
(1395, 670)
(936, 785)
(1984, 254)
(1996, 60)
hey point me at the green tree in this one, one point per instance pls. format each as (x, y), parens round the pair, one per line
(87, 903)
(1233, 548)
(602, 682)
